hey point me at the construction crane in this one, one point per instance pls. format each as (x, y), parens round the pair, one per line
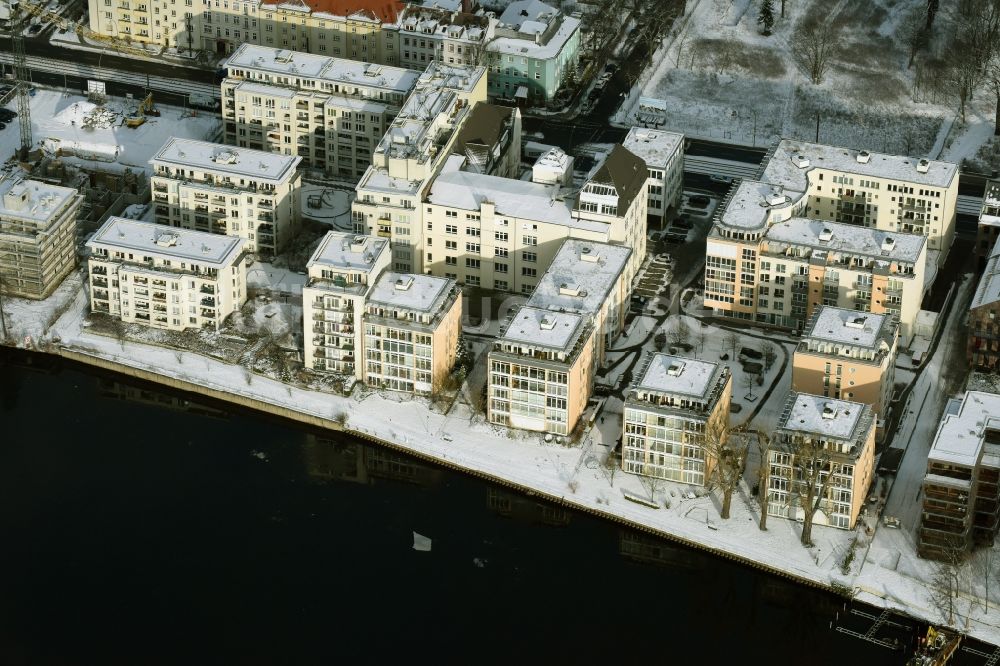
(22, 82)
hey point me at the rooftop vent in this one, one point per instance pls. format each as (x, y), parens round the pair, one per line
(569, 290)
(855, 322)
(357, 243)
(547, 323)
(829, 410)
(775, 197)
(923, 166)
(404, 283)
(587, 254)
(224, 157)
(801, 161)
(864, 157)
(826, 235)
(676, 368)
(888, 243)
(166, 240)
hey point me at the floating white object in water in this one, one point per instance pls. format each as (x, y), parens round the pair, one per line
(421, 543)
(479, 562)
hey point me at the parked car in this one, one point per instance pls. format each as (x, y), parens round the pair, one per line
(725, 180)
(699, 200)
(682, 223)
(6, 115)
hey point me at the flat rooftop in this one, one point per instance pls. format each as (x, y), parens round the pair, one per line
(861, 329)
(460, 78)
(524, 44)
(543, 328)
(783, 167)
(680, 376)
(335, 70)
(408, 291)
(32, 200)
(512, 198)
(988, 289)
(346, 251)
(220, 158)
(750, 203)
(959, 438)
(826, 417)
(654, 146)
(157, 240)
(580, 276)
(848, 238)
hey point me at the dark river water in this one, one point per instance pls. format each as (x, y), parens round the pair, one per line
(139, 528)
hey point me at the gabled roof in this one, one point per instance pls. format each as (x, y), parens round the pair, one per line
(623, 171)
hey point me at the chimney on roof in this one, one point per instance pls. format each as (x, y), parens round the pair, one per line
(888, 243)
(547, 323)
(923, 166)
(404, 283)
(675, 368)
(864, 157)
(829, 410)
(826, 235)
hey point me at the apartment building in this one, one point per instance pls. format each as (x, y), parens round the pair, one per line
(490, 141)
(166, 278)
(342, 271)
(780, 273)
(989, 223)
(663, 153)
(891, 193)
(38, 224)
(390, 330)
(849, 355)
(534, 48)
(667, 410)
(412, 326)
(838, 434)
(502, 234)
(541, 368)
(961, 493)
(983, 345)
(220, 189)
(328, 111)
(453, 37)
(414, 148)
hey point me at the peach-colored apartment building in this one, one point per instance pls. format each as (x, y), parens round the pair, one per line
(848, 355)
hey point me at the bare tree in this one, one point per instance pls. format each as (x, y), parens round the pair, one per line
(749, 378)
(770, 353)
(983, 566)
(763, 441)
(814, 45)
(993, 83)
(651, 483)
(680, 332)
(730, 341)
(726, 453)
(975, 32)
(946, 581)
(813, 470)
(611, 467)
(700, 337)
(913, 32)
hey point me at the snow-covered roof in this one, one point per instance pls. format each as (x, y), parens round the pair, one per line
(459, 78)
(959, 438)
(861, 329)
(849, 238)
(751, 201)
(680, 376)
(827, 417)
(529, 49)
(378, 180)
(580, 276)
(988, 289)
(544, 328)
(515, 198)
(157, 240)
(409, 291)
(783, 167)
(299, 65)
(219, 158)
(31, 200)
(654, 146)
(268, 89)
(949, 481)
(345, 251)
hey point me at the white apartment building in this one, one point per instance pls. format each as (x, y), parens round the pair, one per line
(663, 153)
(412, 326)
(329, 111)
(840, 432)
(412, 151)
(451, 37)
(220, 189)
(541, 368)
(166, 278)
(502, 234)
(342, 272)
(38, 225)
(389, 330)
(891, 193)
(667, 410)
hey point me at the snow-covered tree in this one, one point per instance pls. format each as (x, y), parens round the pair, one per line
(765, 18)
(727, 454)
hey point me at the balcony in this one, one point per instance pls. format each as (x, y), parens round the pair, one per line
(159, 187)
(99, 282)
(99, 270)
(208, 314)
(208, 302)
(160, 296)
(207, 289)
(384, 232)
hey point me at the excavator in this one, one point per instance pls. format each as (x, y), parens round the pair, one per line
(144, 109)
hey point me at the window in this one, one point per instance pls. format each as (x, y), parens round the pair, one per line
(530, 240)
(451, 245)
(451, 261)
(530, 257)
(472, 231)
(471, 263)
(529, 272)
(472, 247)
(501, 236)
(450, 229)
(499, 267)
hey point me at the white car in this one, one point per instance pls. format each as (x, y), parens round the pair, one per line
(725, 180)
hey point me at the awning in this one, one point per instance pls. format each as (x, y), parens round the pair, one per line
(522, 92)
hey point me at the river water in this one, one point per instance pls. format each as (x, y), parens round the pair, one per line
(139, 528)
